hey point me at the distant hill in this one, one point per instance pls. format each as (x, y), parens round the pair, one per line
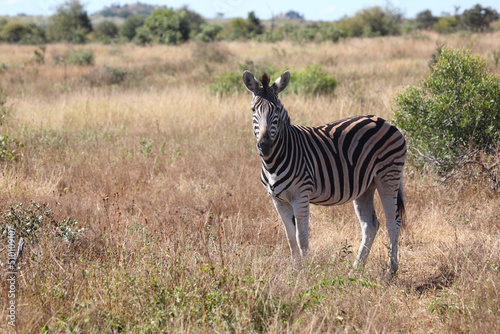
(290, 15)
(124, 11)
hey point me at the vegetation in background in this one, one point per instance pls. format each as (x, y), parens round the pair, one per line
(164, 26)
(179, 234)
(128, 30)
(106, 32)
(31, 221)
(146, 24)
(71, 23)
(84, 57)
(373, 21)
(478, 18)
(127, 10)
(425, 20)
(452, 119)
(23, 33)
(313, 80)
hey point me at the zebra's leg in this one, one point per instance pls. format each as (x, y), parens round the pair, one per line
(369, 224)
(285, 210)
(388, 192)
(301, 211)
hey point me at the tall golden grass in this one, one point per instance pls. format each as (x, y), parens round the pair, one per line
(180, 235)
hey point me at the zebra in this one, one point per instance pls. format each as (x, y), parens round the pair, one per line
(336, 163)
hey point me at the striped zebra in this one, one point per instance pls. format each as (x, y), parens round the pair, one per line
(329, 164)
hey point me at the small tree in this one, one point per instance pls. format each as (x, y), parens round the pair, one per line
(165, 26)
(70, 23)
(13, 31)
(106, 31)
(478, 18)
(425, 20)
(209, 32)
(196, 21)
(453, 117)
(373, 21)
(237, 28)
(129, 28)
(255, 27)
(446, 24)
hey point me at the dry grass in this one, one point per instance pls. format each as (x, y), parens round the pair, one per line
(181, 236)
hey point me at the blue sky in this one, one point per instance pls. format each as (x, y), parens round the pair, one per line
(313, 10)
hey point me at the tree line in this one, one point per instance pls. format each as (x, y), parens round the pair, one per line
(71, 23)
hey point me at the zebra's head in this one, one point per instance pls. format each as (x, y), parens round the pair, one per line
(267, 108)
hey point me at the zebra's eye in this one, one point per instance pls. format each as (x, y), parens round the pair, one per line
(253, 109)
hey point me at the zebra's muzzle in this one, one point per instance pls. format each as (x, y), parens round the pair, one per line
(265, 147)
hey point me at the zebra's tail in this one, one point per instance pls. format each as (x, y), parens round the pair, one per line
(401, 203)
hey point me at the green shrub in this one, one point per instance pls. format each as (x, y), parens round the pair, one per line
(106, 31)
(70, 23)
(373, 21)
(328, 32)
(28, 222)
(454, 114)
(24, 33)
(129, 27)
(79, 57)
(13, 31)
(230, 82)
(446, 24)
(164, 26)
(425, 19)
(209, 32)
(478, 18)
(311, 81)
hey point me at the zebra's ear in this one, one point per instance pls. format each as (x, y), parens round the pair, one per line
(281, 83)
(250, 82)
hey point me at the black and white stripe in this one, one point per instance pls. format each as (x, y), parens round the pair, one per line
(330, 164)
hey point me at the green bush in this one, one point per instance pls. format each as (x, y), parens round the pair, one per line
(209, 32)
(425, 19)
(106, 31)
(230, 82)
(239, 28)
(446, 24)
(24, 33)
(453, 114)
(478, 18)
(29, 222)
(70, 23)
(13, 31)
(129, 27)
(164, 26)
(373, 21)
(79, 57)
(311, 81)
(329, 32)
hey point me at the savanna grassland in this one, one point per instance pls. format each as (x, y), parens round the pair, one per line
(180, 236)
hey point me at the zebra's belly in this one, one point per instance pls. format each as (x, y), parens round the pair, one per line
(327, 197)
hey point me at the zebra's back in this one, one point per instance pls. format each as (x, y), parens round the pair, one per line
(346, 156)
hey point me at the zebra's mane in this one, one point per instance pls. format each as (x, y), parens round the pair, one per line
(265, 80)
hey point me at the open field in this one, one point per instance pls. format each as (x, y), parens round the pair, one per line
(180, 236)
